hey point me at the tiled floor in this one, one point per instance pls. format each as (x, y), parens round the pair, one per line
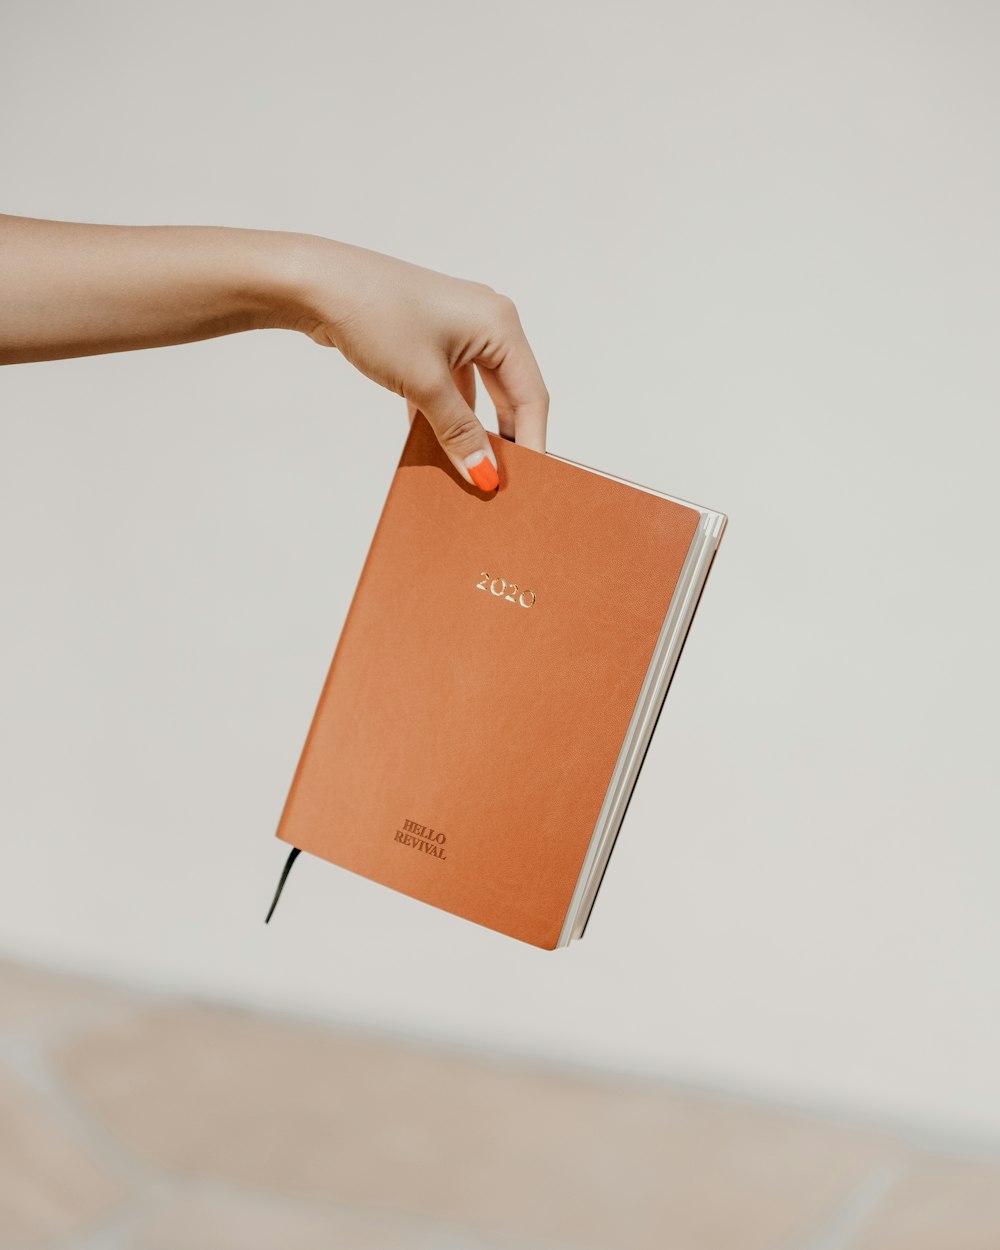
(135, 1122)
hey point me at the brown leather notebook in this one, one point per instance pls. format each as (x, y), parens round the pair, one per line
(497, 681)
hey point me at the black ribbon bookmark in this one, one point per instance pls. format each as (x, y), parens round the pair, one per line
(281, 881)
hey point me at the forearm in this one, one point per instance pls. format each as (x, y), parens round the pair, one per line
(69, 289)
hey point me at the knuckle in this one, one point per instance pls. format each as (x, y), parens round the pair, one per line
(426, 388)
(506, 306)
(460, 431)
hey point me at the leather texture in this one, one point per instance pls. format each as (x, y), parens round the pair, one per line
(465, 737)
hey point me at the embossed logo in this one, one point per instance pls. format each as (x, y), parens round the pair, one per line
(420, 838)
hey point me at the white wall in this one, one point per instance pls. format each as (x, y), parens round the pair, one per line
(755, 248)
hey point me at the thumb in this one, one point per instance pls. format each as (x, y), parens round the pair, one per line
(461, 434)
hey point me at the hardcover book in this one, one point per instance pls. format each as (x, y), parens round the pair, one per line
(497, 681)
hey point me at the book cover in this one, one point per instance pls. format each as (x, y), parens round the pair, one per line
(484, 682)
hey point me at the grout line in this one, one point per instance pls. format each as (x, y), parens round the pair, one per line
(422, 1232)
(116, 1232)
(857, 1209)
(30, 1064)
(28, 1058)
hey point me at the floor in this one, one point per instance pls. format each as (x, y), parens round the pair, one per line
(140, 1122)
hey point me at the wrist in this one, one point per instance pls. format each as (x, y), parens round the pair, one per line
(288, 268)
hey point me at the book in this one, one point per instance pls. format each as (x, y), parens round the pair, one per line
(500, 673)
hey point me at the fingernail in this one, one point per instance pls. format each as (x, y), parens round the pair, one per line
(482, 471)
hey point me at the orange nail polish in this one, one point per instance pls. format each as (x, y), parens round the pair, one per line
(481, 471)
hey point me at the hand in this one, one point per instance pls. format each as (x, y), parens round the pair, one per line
(72, 289)
(423, 334)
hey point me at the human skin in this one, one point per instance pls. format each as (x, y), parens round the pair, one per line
(73, 289)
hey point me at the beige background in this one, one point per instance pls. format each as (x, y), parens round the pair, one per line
(755, 249)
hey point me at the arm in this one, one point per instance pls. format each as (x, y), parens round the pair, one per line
(74, 290)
